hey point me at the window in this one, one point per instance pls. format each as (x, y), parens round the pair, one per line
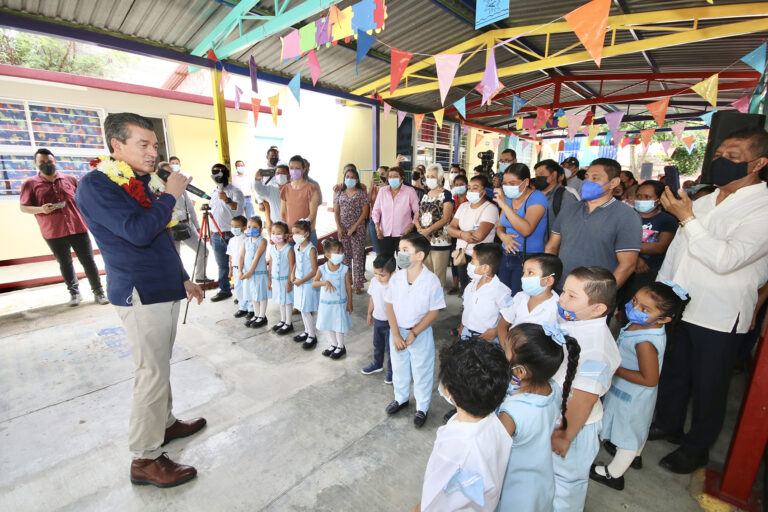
(74, 134)
(434, 144)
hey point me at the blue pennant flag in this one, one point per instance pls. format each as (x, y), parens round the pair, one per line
(461, 105)
(707, 118)
(756, 58)
(295, 86)
(364, 42)
(559, 112)
(517, 104)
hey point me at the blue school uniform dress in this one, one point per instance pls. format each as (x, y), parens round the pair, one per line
(280, 268)
(255, 286)
(529, 483)
(332, 314)
(305, 297)
(628, 407)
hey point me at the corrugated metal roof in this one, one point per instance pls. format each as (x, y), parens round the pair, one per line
(420, 26)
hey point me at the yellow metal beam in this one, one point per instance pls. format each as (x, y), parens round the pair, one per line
(689, 35)
(220, 112)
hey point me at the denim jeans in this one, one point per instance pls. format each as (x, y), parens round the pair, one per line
(511, 271)
(222, 261)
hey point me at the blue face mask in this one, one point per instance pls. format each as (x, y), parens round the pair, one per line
(394, 182)
(445, 397)
(532, 285)
(459, 191)
(503, 166)
(252, 232)
(176, 167)
(512, 191)
(351, 182)
(635, 316)
(644, 206)
(403, 260)
(237, 231)
(566, 314)
(473, 197)
(591, 190)
(337, 258)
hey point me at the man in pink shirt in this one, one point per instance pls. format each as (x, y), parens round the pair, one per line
(50, 197)
(393, 211)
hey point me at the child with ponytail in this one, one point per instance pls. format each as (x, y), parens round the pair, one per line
(531, 409)
(629, 403)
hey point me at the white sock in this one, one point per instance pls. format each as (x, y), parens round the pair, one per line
(288, 308)
(340, 339)
(309, 324)
(332, 335)
(621, 462)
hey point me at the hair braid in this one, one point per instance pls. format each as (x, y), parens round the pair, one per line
(573, 363)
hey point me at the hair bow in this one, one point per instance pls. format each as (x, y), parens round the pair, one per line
(555, 332)
(305, 218)
(679, 290)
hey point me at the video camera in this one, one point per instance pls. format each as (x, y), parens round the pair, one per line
(486, 162)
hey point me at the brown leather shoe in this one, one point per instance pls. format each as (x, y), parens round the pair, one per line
(183, 429)
(160, 472)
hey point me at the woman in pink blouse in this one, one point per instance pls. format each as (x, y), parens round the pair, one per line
(396, 205)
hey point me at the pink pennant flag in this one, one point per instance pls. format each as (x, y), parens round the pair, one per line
(542, 115)
(224, 79)
(613, 120)
(677, 129)
(466, 130)
(742, 104)
(574, 121)
(626, 141)
(314, 66)
(528, 123)
(387, 108)
(584, 130)
(665, 144)
(490, 81)
(532, 132)
(238, 92)
(400, 116)
(525, 144)
(617, 136)
(447, 64)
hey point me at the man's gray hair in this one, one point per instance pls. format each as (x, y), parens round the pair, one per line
(116, 126)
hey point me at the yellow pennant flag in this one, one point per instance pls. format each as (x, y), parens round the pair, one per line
(553, 148)
(439, 117)
(519, 123)
(273, 101)
(593, 131)
(562, 122)
(707, 89)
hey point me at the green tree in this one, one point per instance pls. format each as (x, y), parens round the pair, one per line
(686, 163)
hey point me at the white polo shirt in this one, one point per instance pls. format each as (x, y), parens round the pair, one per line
(598, 361)
(377, 290)
(413, 301)
(233, 249)
(517, 312)
(482, 305)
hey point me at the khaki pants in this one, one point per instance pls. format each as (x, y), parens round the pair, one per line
(151, 331)
(437, 263)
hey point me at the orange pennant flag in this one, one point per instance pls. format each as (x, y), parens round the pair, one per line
(439, 117)
(646, 136)
(256, 105)
(707, 89)
(536, 149)
(658, 110)
(688, 141)
(478, 138)
(273, 101)
(590, 22)
(418, 118)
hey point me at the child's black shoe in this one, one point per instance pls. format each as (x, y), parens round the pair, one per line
(240, 313)
(278, 326)
(420, 419)
(249, 315)
(613, 483)
(259, 321)
(309, 344)
(285, 329)
(395, 407)
(637, 462)
(327, 352)
(301, 337)
(448, 415)
(338, 353)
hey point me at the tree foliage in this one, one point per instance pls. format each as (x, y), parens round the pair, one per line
(686, 163)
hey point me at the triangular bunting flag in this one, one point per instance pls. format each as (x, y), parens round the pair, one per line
(525, 144)
(295, 87)
(646, 136)
(594, 129)
(533, 132)
(490, 82)
(314, 66)
(536, 148)
(439, 117)
(688, 141)
(590, 22)
(707, 89)
(756, 58)
(517, 104)
(542, 115)
(707, 118)
(387, 108)
(613, 120)
(255, 106)
(553, 148)
(528, 122)
(742, 104)
(417, 120)
(678, 129)
(562, 122)
(617, 136)
(625, 142)
(461, 106)
(465, 129)
(584, 131)
(478, 138)
(446, 64)
(574, 121)
(364, 42)
(398, 62)
(334, 17)
(665, 144)
(273, 102)
(519, 123)
(212, 55)
(658, 110)
(559, 112)
(690, 148)
(400, 116)
(253, 73)
(224, 79)
(238, 92)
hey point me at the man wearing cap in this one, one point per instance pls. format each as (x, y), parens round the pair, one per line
(571, 166)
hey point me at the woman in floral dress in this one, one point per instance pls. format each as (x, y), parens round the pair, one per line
(350, 207)
(435, 212)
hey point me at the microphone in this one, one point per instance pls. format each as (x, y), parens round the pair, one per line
(163, 174)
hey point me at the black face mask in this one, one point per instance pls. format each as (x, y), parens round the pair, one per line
(273, 161)
(540, 182)
(47, 168)
(724, 171)
(219, 175)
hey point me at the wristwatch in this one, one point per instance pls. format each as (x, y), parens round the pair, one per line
(686, 220)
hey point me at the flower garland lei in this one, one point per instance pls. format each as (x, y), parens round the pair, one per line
(121, 173)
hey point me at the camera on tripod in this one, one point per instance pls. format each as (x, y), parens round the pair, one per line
(486, 162)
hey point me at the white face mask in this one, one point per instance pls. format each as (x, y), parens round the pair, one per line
(568, 173)
(452, 176)
(299, 239)
(431, 183)
(241, 170)
(282, 179)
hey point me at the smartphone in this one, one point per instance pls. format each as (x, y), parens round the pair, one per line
(59, 205)
(267, 173)
(672, 179)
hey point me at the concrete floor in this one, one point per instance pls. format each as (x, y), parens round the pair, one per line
(287, 429)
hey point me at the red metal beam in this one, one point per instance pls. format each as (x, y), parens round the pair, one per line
(649, 95)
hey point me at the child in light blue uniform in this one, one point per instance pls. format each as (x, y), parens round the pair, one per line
(304, 294)
(253, 273)
(414, 298)
(333, 312)
(281, 265)
(233, 251)
(531, 410)
(630, 402)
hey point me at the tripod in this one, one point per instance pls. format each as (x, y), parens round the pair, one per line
(204, 238)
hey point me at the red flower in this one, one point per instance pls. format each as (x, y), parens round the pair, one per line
(95, 162)
(135, 189)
